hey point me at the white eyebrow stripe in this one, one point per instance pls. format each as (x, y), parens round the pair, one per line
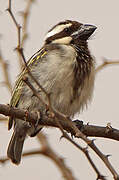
(57, 29)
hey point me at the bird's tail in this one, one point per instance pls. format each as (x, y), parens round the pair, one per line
(16, 145)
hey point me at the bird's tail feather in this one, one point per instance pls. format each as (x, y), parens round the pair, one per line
(15, 146)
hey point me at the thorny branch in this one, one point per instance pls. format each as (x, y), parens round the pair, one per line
(88, 130)
(84, 150)
(46, 121)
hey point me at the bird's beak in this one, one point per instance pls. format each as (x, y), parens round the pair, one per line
(84, 32)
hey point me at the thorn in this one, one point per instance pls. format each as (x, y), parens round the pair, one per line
(85, 149)
(93, 140)
(108, 155)
(108, 128)
(19, 26)
(72, 136)
(100, 177)
(8, 9)
(109, 125)
(61, 137)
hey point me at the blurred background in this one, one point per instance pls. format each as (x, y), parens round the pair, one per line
(105, 104)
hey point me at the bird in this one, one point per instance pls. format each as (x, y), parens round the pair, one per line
(65, 68)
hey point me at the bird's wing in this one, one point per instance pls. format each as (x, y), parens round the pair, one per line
(19, 83)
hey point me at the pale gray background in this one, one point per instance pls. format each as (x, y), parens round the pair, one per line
(104, 107)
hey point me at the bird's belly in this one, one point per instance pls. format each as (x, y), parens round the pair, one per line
(70, 102)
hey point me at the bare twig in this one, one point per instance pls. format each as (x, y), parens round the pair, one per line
(21, 39)
(105, 63)
(84, 150)
(18, 27)
(26, 14)
(47, 151)
(24, 37)
(86, 153)
(16, 24)
(6, 74)
(5, 159)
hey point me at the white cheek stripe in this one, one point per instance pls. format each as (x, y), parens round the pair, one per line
(65, 40)
(57, 29)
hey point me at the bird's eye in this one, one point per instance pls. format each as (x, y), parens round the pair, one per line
(67, 29)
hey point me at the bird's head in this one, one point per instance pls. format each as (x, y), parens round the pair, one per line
(68, 32)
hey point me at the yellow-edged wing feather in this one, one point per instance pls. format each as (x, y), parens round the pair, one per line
(19, 83)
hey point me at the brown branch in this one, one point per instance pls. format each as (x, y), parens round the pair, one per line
(47, 151)
(5, 159)
(21, 39)
(18, 27)
(88, 130)
(106, 63)
(9, 9)
(99, 175)
(46, 121)
(26, 14)
(24, 36)
(84, 150)
(6, 74)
